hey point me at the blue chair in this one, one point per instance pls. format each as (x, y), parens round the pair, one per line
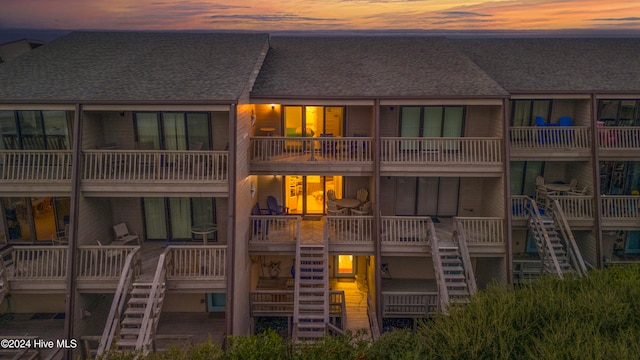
(275, 208)
(565, 121)
(540, 121)
(257, 226)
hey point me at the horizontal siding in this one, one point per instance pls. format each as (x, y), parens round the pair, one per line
(95, 221)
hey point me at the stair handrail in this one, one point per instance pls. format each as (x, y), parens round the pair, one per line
(373, 318)
(535, 219)
(325, 275)
(150, 319)
(460, 238)
(119, 300)
(296, 281)
(567, 235)
(443, 294)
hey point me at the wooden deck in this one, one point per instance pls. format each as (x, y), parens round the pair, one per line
(355, 293)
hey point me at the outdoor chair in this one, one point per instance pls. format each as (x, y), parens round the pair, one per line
(362, 195)
(275, 208)
(257, 223)
(123, 236)
(365, 209)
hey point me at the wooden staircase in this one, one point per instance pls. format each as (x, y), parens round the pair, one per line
(311, 296)
(553, 253)
(131, 326)
(454, 277)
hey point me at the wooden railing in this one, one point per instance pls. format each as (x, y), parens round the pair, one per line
(567, 238)
(548, 259)
(550, 137)
(409, 304)
(443, 292)
(39, 262)
(374, 325)
(444, 150)
(152, 165)
(337, 305)
(197, 262)
(350, 229)
(35, 165)
(481, 230)
(405, 230)
(619, 138)
(117, 305)
(267, 229)
(460, 233)
(576, 207)
(280, 303)
(621, 207)
(518, 207)
(153, 308)
(322, 149)
(101, 262)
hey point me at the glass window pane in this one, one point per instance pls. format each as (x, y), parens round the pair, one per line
(410, 122)
(175, 134)
(155, 218)
(180, 210)
(541, 108)
(198, 130)
(293, 121)
(453, 117)
(521, 113)
(533, 169)
(406, 196)
(517, 177)
(56, 130)
(608, 110)
(314, 121)
(334, 116)
(31, 130)
(147, 131)
(432, 121)
(204, 213)
(8, 130)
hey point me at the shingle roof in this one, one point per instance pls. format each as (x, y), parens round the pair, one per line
(558, 65)
(369, 67)
(135, 66)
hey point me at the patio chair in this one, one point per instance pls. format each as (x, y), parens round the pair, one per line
(364, 210)
(257, 223)
(331, 195)
(573, 184)
(333, 210)
(61, 237)
(362, 195)
(576, 191)
(542, 196)
(123, 236)
(275, 208)
(539, 181)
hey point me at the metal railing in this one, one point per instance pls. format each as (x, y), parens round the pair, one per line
(405, 230)
(444, 150)
(100, 262)
(155, 165)
(302, 149)
(481, 230)
(267, 229)
(619, 138)
(550, 137)
(197, 262)
(35, 165)
(350, 229)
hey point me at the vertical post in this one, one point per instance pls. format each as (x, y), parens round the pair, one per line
(506, 146)
(595, 151)
(376, 210)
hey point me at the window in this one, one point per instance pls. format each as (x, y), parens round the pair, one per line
(524, 112)
(619, 112)
(432, 121)
(173, 218)
(35, 130)
(172, 130)
(523, 177)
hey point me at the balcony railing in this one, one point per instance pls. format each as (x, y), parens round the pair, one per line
(619, 138)
(482, 230)
(407, 304)
(550, 137)
(621, 208)
(38, 263)
(280, 303)
(350, 229)
(156, 166)
(35, 165)
(404, 230)
(274, 229)
(442, 150)
(105, 262)
(321, 149)
(519, 207)
(576, 207)
(197, 262)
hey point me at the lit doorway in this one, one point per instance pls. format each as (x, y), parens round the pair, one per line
(307, 195)
(312, 121)
(345, 266)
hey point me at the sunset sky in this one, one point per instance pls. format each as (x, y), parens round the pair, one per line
(271, 15)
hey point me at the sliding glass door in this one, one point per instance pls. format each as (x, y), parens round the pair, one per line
(430, 122)
(307, 195)
(35, 130)
(173, 218)
(427, 196)
(172, 131)
(313, 121)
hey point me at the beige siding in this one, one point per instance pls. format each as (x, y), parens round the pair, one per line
(490, 270)
(92, 131)
(37, 303)
(118, 129)
(128, 211)
(95, 221)
(587, 243)
(185, 303)
(353, 183)
(578, 110)
(387, 196)
(359, 120)
(493, 197)
(91, 311)
(266, 117)
(413, 267)
(220, 130)
(483, 121)
(581, 171)
(222, 219)
(470, 197)
(389, 121)
(268, 185)
(555, 171)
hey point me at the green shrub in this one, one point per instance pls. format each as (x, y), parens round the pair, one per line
(264, 346)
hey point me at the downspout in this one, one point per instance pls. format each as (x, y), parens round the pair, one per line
(73, 229)
(231, 216)
(506, 104)
(595, 140)
(376, 211)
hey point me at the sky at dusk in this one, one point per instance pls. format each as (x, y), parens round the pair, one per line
(287, 15)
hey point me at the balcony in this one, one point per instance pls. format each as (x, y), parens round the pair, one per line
(620, 212)
(404, 235)
(274, 233)
(299, 155)
(36, 170)
(617, 143)
(579, 210)
(483, 235)
(198, 267)
(136, 171)
(39, 269)
(409, 304)
(100, 267)
(350, 234)
(464, 156)
(545, 142)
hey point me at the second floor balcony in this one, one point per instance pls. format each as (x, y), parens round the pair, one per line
(311, 155)
(459, 155)
(48, 170)
(547, 141)
(619, 142)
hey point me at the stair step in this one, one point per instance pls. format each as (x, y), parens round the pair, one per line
(129, 331)
(132, 321)
(454, 276)
(458, 292)
(127, 343)
(452, 269)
